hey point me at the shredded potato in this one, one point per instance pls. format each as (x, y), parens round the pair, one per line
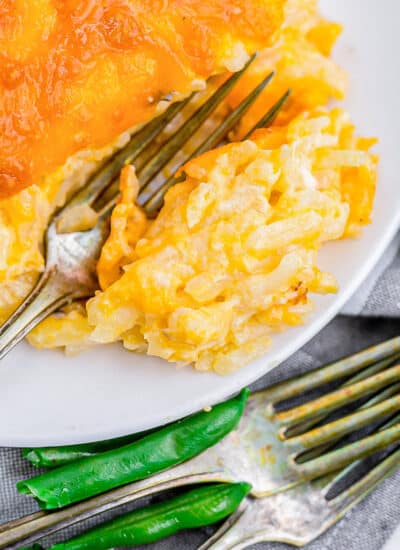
(23, 220)
(128, 223)
(231, 257)
(70, 326)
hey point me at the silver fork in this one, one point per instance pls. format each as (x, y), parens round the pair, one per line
(274, 450)
(300, 515)
(70, 270)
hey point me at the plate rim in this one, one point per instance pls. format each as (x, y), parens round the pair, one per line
(246, 377)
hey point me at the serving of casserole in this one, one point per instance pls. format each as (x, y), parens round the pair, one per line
(231, 258)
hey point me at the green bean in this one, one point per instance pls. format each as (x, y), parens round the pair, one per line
(50, 457)
(197, 508)
(153, 453)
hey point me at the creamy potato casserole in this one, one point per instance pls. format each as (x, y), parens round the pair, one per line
(232, 257)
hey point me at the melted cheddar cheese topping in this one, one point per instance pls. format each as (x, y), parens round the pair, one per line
(74, 74)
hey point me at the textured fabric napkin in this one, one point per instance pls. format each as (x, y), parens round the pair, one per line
(371, 316)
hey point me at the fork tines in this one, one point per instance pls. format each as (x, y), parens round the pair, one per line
(174, 143)
(311, 431)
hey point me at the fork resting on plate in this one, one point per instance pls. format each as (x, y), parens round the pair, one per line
(71, 257)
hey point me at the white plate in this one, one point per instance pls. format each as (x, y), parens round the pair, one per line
(394, 542)
(46, 398)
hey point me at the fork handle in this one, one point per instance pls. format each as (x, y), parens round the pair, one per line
(33, 527)
(46, 297)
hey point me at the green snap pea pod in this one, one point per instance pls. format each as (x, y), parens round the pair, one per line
(196, 508)
(50, 457)
(153, 453)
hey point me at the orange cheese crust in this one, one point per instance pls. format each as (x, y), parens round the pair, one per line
(74, 74)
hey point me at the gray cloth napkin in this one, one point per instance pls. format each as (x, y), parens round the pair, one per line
(379, 295)
(375, 316)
